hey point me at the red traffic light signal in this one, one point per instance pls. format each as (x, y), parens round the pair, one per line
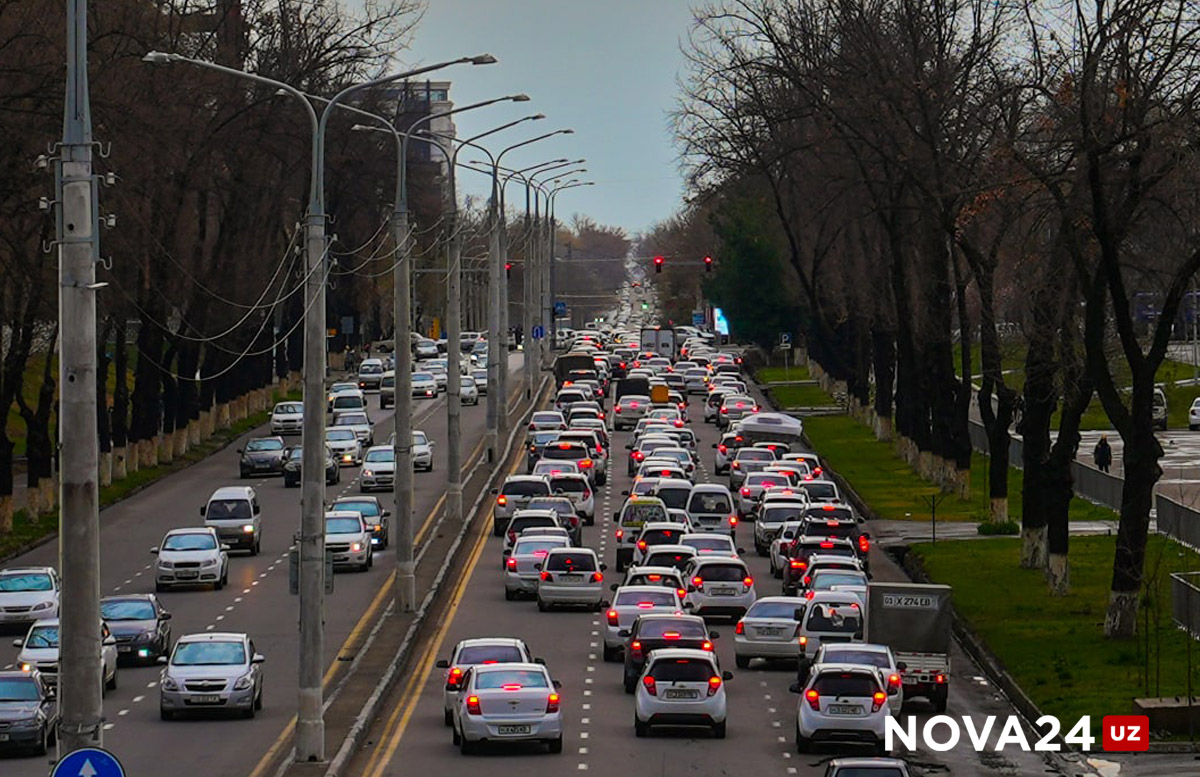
(658, 263)
(508, 269)
(708, 264)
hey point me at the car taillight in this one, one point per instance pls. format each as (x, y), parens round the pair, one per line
(545, 575)
(682, 593)
(706, 645)
(533, 427)
(638, 455)
(613, 618)
(617, 409)
(733, 520)
(585, 464)
(649, 684)
(894, 680)
(597, 577)
(877, 700)
(620, 533)
(725, 410)
(636, 648)
(641, 544)
(722, 448)
(473, 706)
(697, 581)
(809, 594)
(797, 564)
(512, 563)
(813, 698)
(714, 684)
(802, 642)
(678, 424)
(740, 628)
(454, 678)
(552, 702)
(736, 465)
(747, 581)
(939, 679)
(745, 492)
(633, 404)
(864, 544)
(502, 500)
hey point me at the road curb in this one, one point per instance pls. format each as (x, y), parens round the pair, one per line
(370, 708)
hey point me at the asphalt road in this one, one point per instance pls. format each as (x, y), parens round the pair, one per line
(255, 601)
(410, 738)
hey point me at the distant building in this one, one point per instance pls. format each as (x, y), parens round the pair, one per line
(411, 101)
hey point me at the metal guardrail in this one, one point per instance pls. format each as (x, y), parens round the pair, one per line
(1185, 601)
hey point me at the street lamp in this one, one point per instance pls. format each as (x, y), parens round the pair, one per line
(571, 184)
(310, 723)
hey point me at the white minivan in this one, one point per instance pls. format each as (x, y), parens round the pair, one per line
(236, 515)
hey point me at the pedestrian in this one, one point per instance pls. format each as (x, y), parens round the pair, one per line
(1103, 453)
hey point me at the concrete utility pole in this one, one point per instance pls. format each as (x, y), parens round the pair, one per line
(80, 674)
(495, 341)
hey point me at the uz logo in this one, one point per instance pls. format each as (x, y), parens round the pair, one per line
(1126, 733)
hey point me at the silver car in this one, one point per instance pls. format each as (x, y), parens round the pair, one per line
(467, 390)
(630, 409)
(211, 671)
(769, 629)
(424, 385)
(287, 418)
(28, 594)
(358, 423)
(521, 574)
(379, 469)
(480, 377)
(476, 652)
(508, 703)
(345, 446)
(191, 557)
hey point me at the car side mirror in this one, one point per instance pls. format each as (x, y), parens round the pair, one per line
(795, 688)
(616, 516)
(17, 643)
(258, 658)
(507, 552)
(741, 551)
(110, 640)
(614, 586)
(621, 633)
(386, 513)
(164, 616)
(239, 450)
(495, 490)
(161, 660)
(628, 446)
(902, 666)
(202, 511)
(154, 549)
(714, 445)
(539, 661)
(224, 547)
(727, 675)
(51, 692)
(557, 684)
(714, 635)
(604, 567)
(537, 567)
(624, 493)
(893, 690)
(442, 664)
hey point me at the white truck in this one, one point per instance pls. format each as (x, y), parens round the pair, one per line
(659, 340)
(914, 620)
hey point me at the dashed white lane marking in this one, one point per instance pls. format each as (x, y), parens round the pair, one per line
(586, 706)
(109, 726)
(583, 735)
(585, 721)
(137, 699)
(153, 684)
(583, 767)
(122, 713)
(583, 751)
(587, 693)
(235, 601)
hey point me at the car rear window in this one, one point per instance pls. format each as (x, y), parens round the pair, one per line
(831, 529)
(722, 572)
(773, 609)
(526, 488)
(836, 514)
(569, 453)
(709, 503)
(767, 480)
(869, 771)
(652, 578)
(675, 498)
(573, 485)
(664, 598)
(754, 454)
(536, 547)
(644, 514)
(843, 619)
(660, 536)
(820, 490)
(560, 562)
(844, 655)
(663, 629)
(522, 522)
(521, 678)
(845, 684)
(693, 670)
(490, 654)
(781, 514)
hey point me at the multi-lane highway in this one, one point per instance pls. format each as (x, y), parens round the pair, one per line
(255, 601)
(410, 737)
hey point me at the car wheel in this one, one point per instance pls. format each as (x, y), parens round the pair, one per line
(455, 739)
(939, 699)
(509, 595)
(542, 606)
(611, 654)
(640, 728)
(719, 730)
(258, 700)
(43, 744)
(248, 712)
(448, 719)
(555, 745)
(159, 588)
(255, 550)
(803, 745)
(166, 714)
(219, 584)
(630, 684)
(465, 747)
(244, 474)
(742, 662)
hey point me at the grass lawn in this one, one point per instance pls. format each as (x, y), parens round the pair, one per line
(26, 531)
(894, 490)
(800, 396)
(1055, 647)
(773, 374)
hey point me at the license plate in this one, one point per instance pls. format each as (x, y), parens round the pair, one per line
(186, 573)
(844, 709)
(124, 648)
(512, 730)
(770, 631)
(681, 694)
(209, 698)
(570, 578)
(724, 592)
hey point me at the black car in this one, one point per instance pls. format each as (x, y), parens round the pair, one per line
(661, 630)
(291, 467)
(140, 625)
(28, 712)
(372, 512)
(833, 520)
(537, 443)
(262, 456)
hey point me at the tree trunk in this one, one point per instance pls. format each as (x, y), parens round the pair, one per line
(1040, 402)
(1141, 471)
(6, 483)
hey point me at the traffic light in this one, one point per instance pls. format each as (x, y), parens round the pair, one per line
(508, 269)
(658, 263)
(708, 264)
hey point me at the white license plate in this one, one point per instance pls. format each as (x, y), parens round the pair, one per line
(208, 698)
(724, 592)
(681, 694)
(769, 631)
(512, 730)
(184, 573)
(570, 578)
(844, 709)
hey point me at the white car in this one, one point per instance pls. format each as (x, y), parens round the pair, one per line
(720, 586)
(630, 602)
(628, 410)
(711, 545)
(878, 657)
(575, 486)
(338, 388)
(841, 703)
(347, 450)
(828, 615)
(521, 562)
(680, 687)
(508, 703)
(424, 385)
(348, 538)
(666, 577)
(287, 418)
(1194, 415)
(768, 630)
(191, 557)
(378, 470)
(28, 594)
(548, 468)
(474, 652)
(571, 576)
(467, 392)
(771, 520)
(357, 422)
(652, 535)
(710, 507)
(480, 377)
(778, 560)
(676, 557)
(40, 652)
(422, 451)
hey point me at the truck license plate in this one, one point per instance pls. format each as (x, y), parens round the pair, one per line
(512, 730)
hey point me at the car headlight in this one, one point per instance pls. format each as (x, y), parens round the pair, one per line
(26, 666)
(243, 682)
(26, 723)
(210, 562)
(166, 564)
(366, 473)
(355, 547)
(148, 636)
(169, 684)
(248, 528)
(43, 605)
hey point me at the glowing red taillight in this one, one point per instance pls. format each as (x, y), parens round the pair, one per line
(612, 618)
(813, 698)
(552, 702)
(747, 581)
(894, 680)
(877, 700)
(512, 563)
(714, 685)
(545, 575)
(745, 492)
(650, 686)
(740, 628)
(864, 543)
(454, 678)
(597, 577)
(473, 706)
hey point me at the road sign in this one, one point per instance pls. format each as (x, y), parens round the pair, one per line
(785, 341)
(560, 308)
(88, 762)
(697, 318)
(539, 332)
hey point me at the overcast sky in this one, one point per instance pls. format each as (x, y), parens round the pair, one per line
(605, 68)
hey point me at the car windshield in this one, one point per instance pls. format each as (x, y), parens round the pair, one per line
(386, 454)
(127, 610)
(708, 543)
(660, 536)
(762, 609)
(842, 619)
(347, 401)
(370, 369)
(420, 438)
(209, 654)
(673, 498)
(845, 684)
(42, 637)
(343, 526)
(196, 541)
(290, 409)
(709, 503)
(571, 562)
(684, 670)
(25, 581)
(264, 445)
(869, 771)
(226, 509)
(722, 572)
(668, 558)
(523, 522)
(827, 580)
(510, 679)
(490, 654)
(664, 628)
(340, 435)
(662, 598)
(369, 509)
(539, 547)
(351, 419)
(422, 377)
(526, 488)
(294, 454)
(839, 654)
(18, 689)
(467, 382)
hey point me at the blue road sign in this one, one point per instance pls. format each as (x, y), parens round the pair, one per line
(698, 318)
(539, 332)
(88, 762)
(560, 308)
(785, 340)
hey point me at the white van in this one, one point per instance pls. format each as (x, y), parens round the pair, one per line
(237, 517)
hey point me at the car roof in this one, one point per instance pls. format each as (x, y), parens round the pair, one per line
(374, 448)
(576, 550)
(343, 514)
(356, 498)
(672, 616)
(674, 483)
(128, 597)
(704, 560)
(869, 647)
(213, 636)
(481, 641)
(27, 570)
(861, 762)
(670, 654)
(231, 492)
(189, 530)
(706, 535)
(524, 478)
(710, 487)
(654, 569)
(831, 668)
